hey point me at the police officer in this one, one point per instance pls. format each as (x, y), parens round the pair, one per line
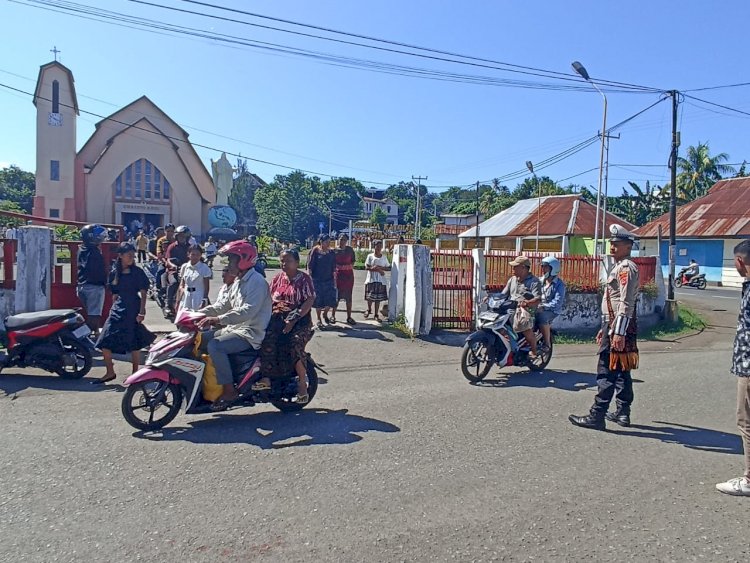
(618, 350)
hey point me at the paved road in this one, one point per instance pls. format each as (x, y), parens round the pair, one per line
(398, 459)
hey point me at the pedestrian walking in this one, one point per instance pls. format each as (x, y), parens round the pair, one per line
(618, 348)
(376, 265)
(92, 275)
(345, 259)
(124, 332)
(141, 245)
(740, 486)
(321, 263)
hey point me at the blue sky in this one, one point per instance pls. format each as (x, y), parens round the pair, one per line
(384, 128)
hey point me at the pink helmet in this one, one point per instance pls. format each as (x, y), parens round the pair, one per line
(246, 252)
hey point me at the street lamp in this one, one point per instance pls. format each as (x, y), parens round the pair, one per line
(581, 70)
(530, 166)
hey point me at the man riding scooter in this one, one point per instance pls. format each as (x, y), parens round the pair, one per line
(162, 244)
(691, 271)
(243, 314)
(175, 257)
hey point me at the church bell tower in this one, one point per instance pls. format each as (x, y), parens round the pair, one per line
(56, 112)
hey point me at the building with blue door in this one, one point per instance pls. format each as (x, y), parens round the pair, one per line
(708, 229)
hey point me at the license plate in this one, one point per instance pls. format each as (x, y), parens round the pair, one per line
(81, 331)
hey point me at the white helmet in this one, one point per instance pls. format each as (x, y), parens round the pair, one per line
(553, 263)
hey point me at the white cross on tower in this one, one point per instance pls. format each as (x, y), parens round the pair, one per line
(55, 51)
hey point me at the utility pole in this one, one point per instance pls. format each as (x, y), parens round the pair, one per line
(671, 305)
(418, 218)
(476, 241)
(606, 186)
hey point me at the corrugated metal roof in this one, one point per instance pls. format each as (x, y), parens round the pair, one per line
(558, 216)
(723, 212)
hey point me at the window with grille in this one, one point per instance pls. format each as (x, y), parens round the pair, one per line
(142, 181)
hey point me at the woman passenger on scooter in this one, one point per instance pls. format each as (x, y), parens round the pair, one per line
(283, 350)
(553, 297)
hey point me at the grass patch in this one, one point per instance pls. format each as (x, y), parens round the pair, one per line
(399, 328)
(688, 321)
(574, 338)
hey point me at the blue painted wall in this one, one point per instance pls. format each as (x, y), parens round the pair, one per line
(708, 253)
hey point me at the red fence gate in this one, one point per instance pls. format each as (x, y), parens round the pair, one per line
(452, 285)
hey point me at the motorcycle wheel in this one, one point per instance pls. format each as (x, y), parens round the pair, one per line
(542, 358)
(84, 360)
(287, 405)
(702, 283)
(678, 282)
(475, 364)
(149, 399)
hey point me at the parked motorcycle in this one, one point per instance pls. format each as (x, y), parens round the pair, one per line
(172, 375)
(496, 343)
(698, 281)
(56, 341)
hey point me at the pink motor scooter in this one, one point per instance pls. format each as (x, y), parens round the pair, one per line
(173, 374)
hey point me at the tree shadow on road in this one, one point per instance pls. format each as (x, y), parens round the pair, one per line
(368, 333)
(275, 430)
(693, 437)
(567, 380)
(15, 383)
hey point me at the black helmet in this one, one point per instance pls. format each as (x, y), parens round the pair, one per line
(182, 229)
(93, 234)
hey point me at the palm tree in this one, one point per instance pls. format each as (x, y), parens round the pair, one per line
(645, 204)
(699, 171)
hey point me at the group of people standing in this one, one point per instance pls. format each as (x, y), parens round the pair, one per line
(332, 273)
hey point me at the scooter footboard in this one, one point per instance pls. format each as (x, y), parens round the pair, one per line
(149, 373)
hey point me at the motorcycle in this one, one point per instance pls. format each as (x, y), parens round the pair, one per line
(172, 375)
(56, 341)
(698, 281)
(262, 261)
(496, 343)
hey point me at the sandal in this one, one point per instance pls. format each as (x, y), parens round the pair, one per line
(377, 318)
(220, 405)
(262, 385)
(367, 315)
(351, 321)
(333, 320)
(320, 325)
(302, 399)
(103, 380)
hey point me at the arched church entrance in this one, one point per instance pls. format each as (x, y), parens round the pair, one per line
(142, 196)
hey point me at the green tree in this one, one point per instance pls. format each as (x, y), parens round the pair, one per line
(339, 197)
(284, 208)
(6, 205)
(18, 186)
(378, 217)
(699, 170)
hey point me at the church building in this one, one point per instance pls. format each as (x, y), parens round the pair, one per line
(137, 166)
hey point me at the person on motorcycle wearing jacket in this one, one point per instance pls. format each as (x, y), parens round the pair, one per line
(242, 313)
(692, 270)
(92, 275)
(518, 286)
(175, 257)
(162, 243)
(553, 297)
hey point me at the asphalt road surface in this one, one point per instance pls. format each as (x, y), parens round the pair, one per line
(397, 459)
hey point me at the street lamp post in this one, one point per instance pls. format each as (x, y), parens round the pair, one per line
(581, 70)
(530, 166)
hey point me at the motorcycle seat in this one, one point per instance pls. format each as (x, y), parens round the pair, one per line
(38, 318)
(243, 361)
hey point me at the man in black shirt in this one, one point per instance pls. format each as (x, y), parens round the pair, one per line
(175, 257)
(92, 275)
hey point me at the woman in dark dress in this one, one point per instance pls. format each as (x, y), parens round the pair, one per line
(345, 259)
(290, 329)
(322, 267)
(124, 332)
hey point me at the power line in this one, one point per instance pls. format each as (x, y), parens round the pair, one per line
(717, 105)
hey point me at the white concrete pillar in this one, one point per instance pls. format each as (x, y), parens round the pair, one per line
(398, 282)
(461, 244)
(34, 278)
(519, 245)
(479, 281)
(437, 245)
(428, 302)
(487, 244)
(417, 264)
(565, 245)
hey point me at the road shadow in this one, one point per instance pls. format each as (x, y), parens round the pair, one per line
(364, 332)
(693, 437)
(567, 380)
(276, 430)
(14, 383)
(453, 339)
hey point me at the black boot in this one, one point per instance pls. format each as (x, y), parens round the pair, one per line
(620, 417)
(595, 422)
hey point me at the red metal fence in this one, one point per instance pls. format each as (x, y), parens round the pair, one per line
(64, 274)
(453, 291)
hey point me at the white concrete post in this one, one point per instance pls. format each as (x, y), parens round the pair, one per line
(487, 244)
(479, 281)
(425, 324)
(437, 245)
(34, 278)
(566, 245)
(398, 282)
(417, 268)
(519, 245)
(661, 293)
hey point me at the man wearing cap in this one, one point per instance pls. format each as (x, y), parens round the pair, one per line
(618, 349)
(516, 289)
